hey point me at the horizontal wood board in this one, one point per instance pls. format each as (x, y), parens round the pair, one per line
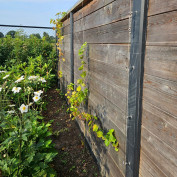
(159, 118)
(104, 26)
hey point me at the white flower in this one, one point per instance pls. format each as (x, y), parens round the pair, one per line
(16, 89)
(19, 79)
(3, 71)
(33, 77)
(11, 112)
(23, 108)
(0, 89)
(5, 77)
(38, 93)
(42, 80)
(36, 98)
(12, 105)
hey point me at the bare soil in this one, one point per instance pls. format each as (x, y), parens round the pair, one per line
(74, 158)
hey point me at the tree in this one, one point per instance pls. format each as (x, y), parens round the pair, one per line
(46, 35)
(37, 35)
(1, 35)
(11, 33)
(52, 39)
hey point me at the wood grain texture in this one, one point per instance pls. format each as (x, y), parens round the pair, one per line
(109, 91)
(161, 62)
(66, 30)
(103, 154)
(109, 73)
(148, 167)
(90, 8)
(162, 29)
(161, 100)
(114, 11)
(113, 54)
(161, 85)
(98, 106)
(149, 146)
(161, 6)
(161, 147)
(112, 33)
(160, 124)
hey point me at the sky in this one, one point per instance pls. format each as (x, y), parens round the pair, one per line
(32, 12)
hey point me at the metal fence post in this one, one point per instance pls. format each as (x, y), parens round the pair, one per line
(136, 72)
(72, 47)
(58, 60)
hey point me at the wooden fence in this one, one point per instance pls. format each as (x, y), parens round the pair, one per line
(131, 63)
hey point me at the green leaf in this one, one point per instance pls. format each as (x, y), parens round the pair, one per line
(112, 139)
(106, 142)
(100, 134)
(83, 74)
(47, 143)
(83, 62)
(24, 137)
(95, 127)
(81, 67)
(79, 88)
(111, 131)
(116, 149)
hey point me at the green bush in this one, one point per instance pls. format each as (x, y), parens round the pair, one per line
(21, 48)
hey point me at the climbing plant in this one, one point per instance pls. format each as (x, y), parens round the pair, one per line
(58, 28)
(78, 96)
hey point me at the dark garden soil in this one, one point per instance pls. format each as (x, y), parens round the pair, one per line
(73, 159)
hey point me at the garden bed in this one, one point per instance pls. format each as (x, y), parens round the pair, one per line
(74, 158)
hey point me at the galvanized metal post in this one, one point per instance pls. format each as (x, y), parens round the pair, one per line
(72, 47)
(136, 72)
(58, 60)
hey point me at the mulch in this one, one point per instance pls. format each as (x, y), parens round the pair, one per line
(74, 158)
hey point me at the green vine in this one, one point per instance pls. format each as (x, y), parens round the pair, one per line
(79, 96)
(58, 26)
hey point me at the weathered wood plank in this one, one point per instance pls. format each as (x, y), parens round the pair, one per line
(160, 124)
(161, 62)
(162, 28)
(78, 38)
(113, 54)
(109, 91)
(115, 11)
(94, 103)
(161, 53)
(66, 22)
(112, 33)
(104, 154)
(161, 85)
(158, 145)
(164, 5)
(160, 100)
(90, 8)
(165, 69)
(153, 153)
(67, 39)
(66, 30)
(148, 167)
(109, 73)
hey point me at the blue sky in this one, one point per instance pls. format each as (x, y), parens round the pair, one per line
(32, 12)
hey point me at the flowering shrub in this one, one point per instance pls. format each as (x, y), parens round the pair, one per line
(25, 146)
